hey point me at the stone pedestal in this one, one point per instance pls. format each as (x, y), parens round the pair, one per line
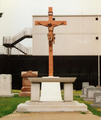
(68, 92)
(26, 84)
(50, 91)
(51, 105)
(6, 85)
(35, 92)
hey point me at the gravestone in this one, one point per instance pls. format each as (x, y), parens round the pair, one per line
(84, 91)
(90, 93)
(6, 85)
(97, 100)
(85, 84)
(26, 84)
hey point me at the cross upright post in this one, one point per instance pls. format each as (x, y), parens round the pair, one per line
(51, 36)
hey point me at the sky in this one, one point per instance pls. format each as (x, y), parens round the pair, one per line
(18, 13)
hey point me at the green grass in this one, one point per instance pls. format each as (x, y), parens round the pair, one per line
(8, 105)
(79, 92)
(95, 111)
(16, 91)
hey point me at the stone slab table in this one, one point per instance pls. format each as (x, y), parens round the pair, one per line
(36, 105)
(68, 87)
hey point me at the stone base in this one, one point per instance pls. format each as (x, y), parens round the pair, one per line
(95, 105)
(24, 94)
(11, 95)
(82, 96)
(62, 106)
(86, 99)
(50, 91)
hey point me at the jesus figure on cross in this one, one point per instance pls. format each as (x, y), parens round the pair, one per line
(51, 36)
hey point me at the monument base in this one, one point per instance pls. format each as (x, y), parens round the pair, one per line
(11, 95)
(24, 94)
(87, 99)
(50, 91)
(56, 106)
(95, 105)
(82, 96)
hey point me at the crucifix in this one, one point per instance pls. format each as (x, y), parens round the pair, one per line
(51, 36)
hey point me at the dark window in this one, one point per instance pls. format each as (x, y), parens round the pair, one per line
(96, 18)
(53, 18)
(97, 38)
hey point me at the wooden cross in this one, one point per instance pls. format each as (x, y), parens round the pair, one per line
(51, 37)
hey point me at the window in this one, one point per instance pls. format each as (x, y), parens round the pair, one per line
(53, 19)
(96, 18)
(97, 38)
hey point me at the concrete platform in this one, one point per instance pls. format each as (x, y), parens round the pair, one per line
(29, 106)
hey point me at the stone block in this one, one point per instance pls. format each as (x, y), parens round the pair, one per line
(91, 92)
(84, 91)
(35, 92)
(68, 92)
(85, 84)
(97, 100)
(6, 85)
(26, 84)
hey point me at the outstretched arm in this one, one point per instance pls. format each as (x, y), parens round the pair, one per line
(44, 23)
(57, 23)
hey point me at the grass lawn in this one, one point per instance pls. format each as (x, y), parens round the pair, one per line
(8, 105)
(16, 91)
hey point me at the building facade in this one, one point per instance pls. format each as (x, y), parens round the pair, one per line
(76, 51)
(77, 47)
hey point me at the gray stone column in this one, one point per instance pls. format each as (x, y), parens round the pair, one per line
(68, 92)
(35, 92)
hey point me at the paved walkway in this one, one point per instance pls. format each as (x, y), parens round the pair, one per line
(51, 116)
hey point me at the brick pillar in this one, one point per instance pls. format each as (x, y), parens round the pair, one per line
(50, 58)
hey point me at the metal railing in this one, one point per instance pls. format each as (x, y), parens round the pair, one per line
(27, 32)
(14, 41)
(22, 48)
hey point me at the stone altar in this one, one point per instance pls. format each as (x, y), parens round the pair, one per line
(6, 85)
(35, 105)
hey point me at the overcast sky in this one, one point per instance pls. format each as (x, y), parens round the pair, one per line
(18, 13)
